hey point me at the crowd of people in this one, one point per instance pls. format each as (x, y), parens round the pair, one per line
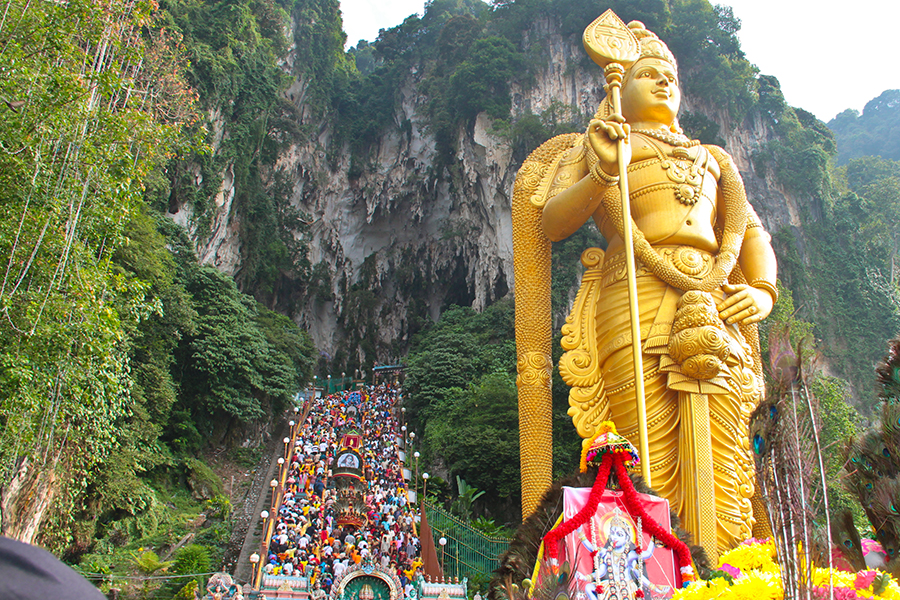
(308, 541)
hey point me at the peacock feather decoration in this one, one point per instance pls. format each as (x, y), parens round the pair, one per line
(873, 463)
(790, 471)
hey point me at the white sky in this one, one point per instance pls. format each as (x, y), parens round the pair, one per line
(836, 42)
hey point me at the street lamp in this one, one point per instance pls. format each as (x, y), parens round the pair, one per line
(264, 515)
(425, 476)
(416, 456)
(286, 442)
(443, 543)
(273, 484)
(254, 560)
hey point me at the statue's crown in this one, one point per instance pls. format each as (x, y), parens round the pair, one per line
(618, 520)
(651, 45)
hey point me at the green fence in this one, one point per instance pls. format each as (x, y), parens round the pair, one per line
(332, 385)
(468, 551)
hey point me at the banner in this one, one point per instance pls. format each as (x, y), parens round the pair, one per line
(617, 570)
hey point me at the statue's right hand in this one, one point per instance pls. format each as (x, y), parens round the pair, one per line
(603, 137)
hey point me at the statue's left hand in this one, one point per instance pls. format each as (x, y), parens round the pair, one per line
(744, 304)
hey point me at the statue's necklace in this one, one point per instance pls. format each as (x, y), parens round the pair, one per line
(688, 178)
(673, 139)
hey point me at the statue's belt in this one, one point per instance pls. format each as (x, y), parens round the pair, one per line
(687, 259)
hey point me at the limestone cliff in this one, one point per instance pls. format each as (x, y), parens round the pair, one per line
(405, 236)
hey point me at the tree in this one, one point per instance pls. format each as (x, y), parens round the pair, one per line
(87, 118)
(875, 132)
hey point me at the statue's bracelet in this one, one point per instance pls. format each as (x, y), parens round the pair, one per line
(767, 286)
(601, 177)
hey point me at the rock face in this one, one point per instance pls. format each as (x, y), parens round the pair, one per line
(420, 237)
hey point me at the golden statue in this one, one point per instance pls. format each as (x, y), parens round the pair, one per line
(702, 276)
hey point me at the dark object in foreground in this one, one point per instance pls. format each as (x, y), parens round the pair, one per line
(28, 572)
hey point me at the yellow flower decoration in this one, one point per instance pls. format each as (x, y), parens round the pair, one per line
(756, 585)
(761, 579)
(703, 590)
(751, 557)
(892, 592)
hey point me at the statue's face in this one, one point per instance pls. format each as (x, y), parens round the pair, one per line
(618, 536)
(650, 92)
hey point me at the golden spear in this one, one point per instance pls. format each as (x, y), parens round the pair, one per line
(612, 45)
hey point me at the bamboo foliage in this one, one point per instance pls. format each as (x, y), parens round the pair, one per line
(91, 98)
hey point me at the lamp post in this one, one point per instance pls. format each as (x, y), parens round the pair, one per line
(416, 456)
(403, 430)
(286, 442)
(254, 560)
(273, 484)
(443, 543)
(264, 515)
(292, 423)
(425, 477)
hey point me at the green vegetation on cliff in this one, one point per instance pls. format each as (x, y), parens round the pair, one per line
(840, 263)
(462, 400)
(875, 132)
(121, 356)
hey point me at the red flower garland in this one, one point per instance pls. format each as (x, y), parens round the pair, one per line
(551, 540)
(632, 504)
